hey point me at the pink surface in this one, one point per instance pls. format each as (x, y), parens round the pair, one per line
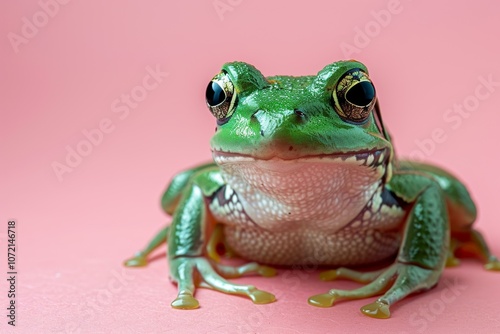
(68, 76)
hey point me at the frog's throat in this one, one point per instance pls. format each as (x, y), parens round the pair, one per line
(327, 189)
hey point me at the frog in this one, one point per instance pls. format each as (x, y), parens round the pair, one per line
(304, 172)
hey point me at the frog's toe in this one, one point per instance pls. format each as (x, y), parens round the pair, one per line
(185, 301)
(261, 297)
(266, 271)
(249, 268)
(452, 261)
(136, 261)
(377, 309)
(322, 300)
(345, 273)
(328, 275)
(493, 265)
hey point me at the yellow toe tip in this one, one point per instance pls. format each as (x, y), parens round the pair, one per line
(137, 261)
(377, 310)
(214, 256)
(322, 300)
(328, 275)
(185, 302)
(492, 266)
(267, 271)
(452, 262)
(262, 297)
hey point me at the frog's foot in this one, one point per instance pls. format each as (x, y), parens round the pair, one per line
(475, 244)
(345, 273)
(493, 264)
(397, 281)
(183, 271)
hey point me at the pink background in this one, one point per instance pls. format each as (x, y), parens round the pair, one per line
(73, 234)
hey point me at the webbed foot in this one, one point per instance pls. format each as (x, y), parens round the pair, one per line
(397, 281)
(211, 276)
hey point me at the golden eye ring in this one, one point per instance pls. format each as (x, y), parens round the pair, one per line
(354, 96)
(221, 96)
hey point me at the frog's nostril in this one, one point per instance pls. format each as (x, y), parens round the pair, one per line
(300, 115)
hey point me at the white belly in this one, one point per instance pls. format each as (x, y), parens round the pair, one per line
(312, 211)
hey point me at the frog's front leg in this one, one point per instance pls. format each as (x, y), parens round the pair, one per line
(189, 265)
(422, 255)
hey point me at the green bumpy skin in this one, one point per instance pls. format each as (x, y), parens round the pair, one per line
(305, 172)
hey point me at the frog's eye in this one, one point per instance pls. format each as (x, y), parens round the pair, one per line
(221, 97)
(354, 96)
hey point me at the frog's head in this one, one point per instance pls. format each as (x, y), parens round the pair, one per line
(330, 118)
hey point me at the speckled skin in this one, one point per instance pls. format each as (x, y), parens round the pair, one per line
(290, 225)
(305, 173)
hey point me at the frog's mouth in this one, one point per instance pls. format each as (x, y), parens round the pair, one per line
(348, 169)
(373, 159)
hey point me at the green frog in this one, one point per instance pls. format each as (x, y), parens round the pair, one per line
(305, 173)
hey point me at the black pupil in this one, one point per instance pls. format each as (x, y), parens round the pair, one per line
(215, 94)
(361, 94)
